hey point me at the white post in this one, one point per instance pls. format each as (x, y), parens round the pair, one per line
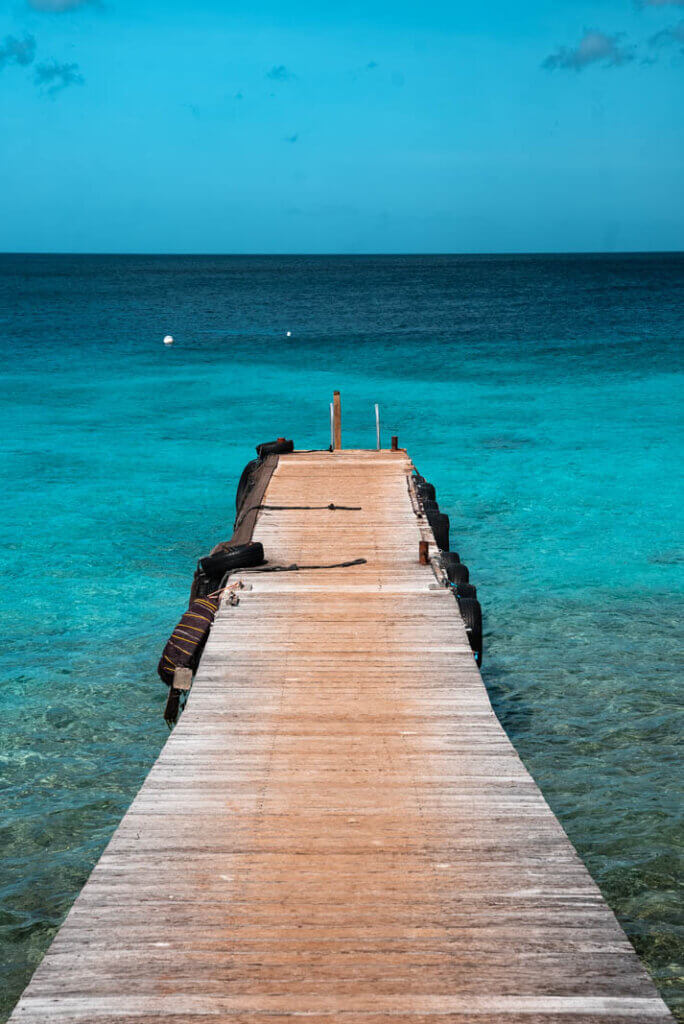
(377, 426)
(337, 421)
(332, 426)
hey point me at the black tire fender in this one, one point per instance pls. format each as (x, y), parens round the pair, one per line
(236, 556)
(281, 447)
(426, 492)
(439, 524)
(471, 613)
(449, 558)
(243, 485)
(458, 573)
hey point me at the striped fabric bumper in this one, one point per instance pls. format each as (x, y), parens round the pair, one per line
(184, 646)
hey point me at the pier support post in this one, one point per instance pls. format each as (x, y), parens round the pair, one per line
(337, 421)
(423, 552)
(182, 681)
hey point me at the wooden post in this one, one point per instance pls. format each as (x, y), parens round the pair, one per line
(423, 552)
(395, 444)
(377, 426)
(172, 706)
(337, 412)
(182, 681)
(332, 427)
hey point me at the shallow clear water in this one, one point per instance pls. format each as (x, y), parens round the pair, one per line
(540, 395)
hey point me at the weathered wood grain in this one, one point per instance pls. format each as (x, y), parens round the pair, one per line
(338, 826)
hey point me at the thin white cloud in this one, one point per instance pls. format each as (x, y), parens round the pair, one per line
(56, 6)
(593, 48)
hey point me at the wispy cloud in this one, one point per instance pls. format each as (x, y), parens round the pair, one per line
(53, 76)
(291, 138)
(17, 51)
(672, 36)
(593, 48)
(279, 73)
(57, 6)
(662, 3)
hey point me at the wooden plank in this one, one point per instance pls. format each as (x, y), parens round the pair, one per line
(338, 826)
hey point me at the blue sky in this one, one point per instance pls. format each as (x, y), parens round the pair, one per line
(149, 126)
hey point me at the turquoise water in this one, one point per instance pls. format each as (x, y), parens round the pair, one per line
(541, 395)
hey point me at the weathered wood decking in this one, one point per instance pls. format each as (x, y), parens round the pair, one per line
(338, 826)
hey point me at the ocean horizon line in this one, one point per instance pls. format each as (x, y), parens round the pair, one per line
(347, 255)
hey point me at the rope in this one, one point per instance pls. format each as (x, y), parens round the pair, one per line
(287, 568)
(297, 568)
(283, 508)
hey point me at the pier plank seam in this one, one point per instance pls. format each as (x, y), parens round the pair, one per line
(338, 825)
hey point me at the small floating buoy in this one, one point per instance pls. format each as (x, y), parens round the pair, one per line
(289, 334)
(168, 340)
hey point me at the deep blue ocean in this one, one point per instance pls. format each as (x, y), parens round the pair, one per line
(542, 396)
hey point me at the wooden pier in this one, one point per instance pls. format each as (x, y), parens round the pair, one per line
(338, 826)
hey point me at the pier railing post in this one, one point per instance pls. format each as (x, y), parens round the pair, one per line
(337, 420)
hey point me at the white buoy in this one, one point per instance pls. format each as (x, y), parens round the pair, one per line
(289, 334)
(168, 340)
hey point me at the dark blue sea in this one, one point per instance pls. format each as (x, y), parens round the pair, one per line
(541, 394)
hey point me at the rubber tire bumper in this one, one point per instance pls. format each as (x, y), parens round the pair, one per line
(243, 485)
(274, 448)
(471, 613)
(439, 524)
(458, 573)
(448, 558)
(426, 492)
(239, 556)
(465, 590)
(202, 585)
